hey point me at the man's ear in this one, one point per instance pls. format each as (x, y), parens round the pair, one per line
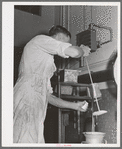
(60, 36)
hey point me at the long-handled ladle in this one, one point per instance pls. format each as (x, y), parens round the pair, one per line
(99, 112)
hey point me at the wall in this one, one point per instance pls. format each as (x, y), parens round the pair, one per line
(108, 122)
(80, 18)
(28, 25)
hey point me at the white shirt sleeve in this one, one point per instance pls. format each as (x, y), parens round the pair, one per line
(50, 45)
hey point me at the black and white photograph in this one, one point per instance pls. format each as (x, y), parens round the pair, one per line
(61, 74)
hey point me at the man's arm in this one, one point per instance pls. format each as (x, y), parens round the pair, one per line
(65, 104)
(74, 51)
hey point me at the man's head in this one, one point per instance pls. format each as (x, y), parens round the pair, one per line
(60, 33)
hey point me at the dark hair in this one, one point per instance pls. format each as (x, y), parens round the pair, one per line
(59, 29)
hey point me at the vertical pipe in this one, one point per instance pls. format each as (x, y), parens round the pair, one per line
(59, 112)
(61, 16)
(64, 25)
(68, 27)
(91, 14)
(81, 62)
(93, 129)
(84, 17)
(78, 113)
(68, 18)
(64, 16)
(61, 23)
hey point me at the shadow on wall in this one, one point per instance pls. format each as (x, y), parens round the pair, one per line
(108, 122)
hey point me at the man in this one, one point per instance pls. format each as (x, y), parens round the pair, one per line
(33, 91)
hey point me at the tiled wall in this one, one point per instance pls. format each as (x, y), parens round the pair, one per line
(79, 19)
(108, 122)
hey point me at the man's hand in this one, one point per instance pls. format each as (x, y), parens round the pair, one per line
(81, 106)
(86, 50)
